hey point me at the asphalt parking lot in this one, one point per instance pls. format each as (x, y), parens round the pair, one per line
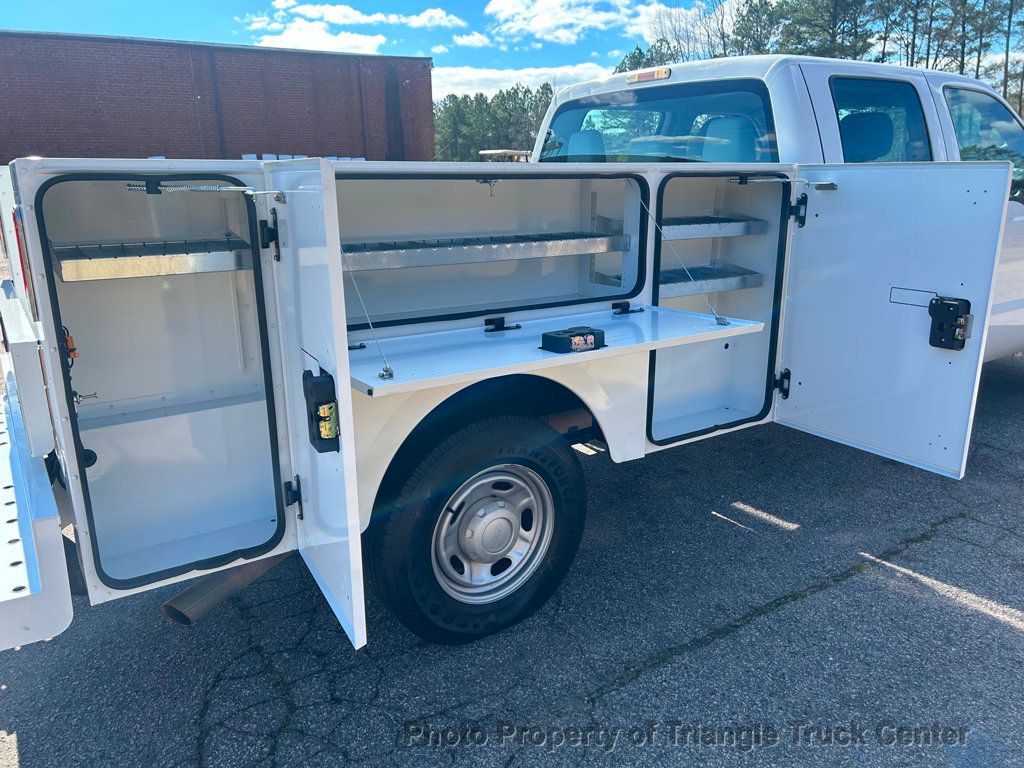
(725, 592)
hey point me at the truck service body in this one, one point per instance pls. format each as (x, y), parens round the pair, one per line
(219, 363)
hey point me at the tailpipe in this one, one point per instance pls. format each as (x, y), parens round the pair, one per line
(207, 593)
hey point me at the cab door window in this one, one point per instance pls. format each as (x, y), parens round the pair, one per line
(880, 121)
(987, 130)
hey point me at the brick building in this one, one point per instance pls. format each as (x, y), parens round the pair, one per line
(86, 96)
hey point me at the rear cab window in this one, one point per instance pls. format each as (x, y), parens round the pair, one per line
(880, 121)
(725, 121)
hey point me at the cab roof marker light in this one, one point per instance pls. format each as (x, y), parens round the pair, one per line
(661, 73)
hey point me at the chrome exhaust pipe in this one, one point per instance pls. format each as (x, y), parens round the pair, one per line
(207, 593)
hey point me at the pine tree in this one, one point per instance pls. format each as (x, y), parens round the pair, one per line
(661, 52)
(463, 125)
(757, 27)
(839, 29)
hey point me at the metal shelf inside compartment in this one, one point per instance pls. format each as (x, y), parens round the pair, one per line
(715, 225)
(103, 261)
(706, 278)
(471, 250)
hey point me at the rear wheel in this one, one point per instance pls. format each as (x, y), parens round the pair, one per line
(483, 530)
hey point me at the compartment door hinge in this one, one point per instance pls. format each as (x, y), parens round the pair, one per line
(798, 210)
(269, 234)
(782, 383)
(293, 493)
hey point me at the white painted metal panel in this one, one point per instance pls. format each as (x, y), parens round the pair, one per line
(469, 354)
(35, 596)
(22, 338)
(863, 372)
(314, 337)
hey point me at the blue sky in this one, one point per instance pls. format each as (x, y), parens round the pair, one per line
(475, 45)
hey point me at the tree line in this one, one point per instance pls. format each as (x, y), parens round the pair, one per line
(979, 38)
(463, 125)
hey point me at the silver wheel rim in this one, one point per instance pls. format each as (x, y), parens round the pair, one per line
(492, 534)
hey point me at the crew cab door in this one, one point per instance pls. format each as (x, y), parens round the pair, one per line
(881, 242)
(316, 370)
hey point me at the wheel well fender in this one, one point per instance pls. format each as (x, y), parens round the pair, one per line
(517, 394)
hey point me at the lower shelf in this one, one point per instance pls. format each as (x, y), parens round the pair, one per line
(435, 359)
(706, 278)
(668, 429)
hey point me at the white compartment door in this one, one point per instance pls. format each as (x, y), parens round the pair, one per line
(856, 327)
(314, 338)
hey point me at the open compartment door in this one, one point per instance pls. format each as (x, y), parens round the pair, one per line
(885, 248)
(316, 369)
(35, 595)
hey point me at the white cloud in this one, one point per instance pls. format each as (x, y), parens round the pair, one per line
(472, 40)
(639, 24)
(433, 17)
(557, 21)
(282, 4)
(567, 21)
(470, 80)
(260, 22)
(614, 53)
(316, 36)
(439, 49)
(347, 15)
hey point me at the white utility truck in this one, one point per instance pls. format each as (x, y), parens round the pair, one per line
(218, 363)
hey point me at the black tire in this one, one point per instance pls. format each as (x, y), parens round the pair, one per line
(405, 522)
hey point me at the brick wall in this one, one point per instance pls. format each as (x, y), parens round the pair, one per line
(79, 96)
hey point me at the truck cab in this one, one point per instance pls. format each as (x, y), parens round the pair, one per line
(795, 109)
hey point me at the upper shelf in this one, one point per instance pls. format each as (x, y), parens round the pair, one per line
(471, 250)
(425, 360)
(720, 225)
(148, 259)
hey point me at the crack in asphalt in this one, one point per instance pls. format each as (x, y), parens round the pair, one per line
(353, 685)
(282, 687)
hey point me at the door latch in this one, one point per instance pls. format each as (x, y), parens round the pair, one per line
(321, 411)
(951, 322)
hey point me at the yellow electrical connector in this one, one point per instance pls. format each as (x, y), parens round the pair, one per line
(328, 413)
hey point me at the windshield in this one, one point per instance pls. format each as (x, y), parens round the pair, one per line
(726, 121)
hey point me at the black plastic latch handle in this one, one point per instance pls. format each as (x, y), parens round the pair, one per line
(623, 308)
(495, 324)
(951, 322)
